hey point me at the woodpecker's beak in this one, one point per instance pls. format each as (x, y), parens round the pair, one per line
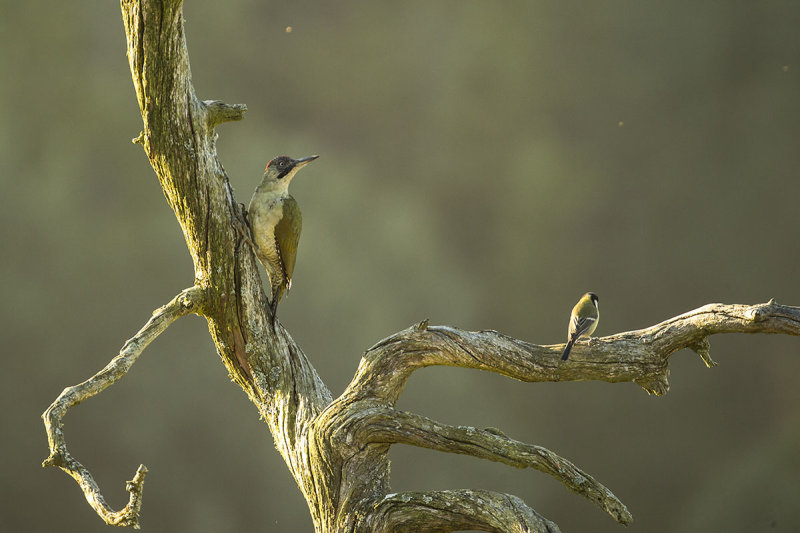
(300, 163)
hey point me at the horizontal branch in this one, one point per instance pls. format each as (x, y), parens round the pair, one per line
(640, 356)
(455, 510)
(189, 300)
(389, 426)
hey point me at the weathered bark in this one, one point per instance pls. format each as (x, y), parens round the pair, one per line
(337, 450)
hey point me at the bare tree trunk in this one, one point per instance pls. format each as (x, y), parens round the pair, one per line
(337, 449)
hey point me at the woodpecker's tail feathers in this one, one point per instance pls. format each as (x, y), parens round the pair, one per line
(567, 349)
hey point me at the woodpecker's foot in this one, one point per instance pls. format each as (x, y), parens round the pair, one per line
(242, 227)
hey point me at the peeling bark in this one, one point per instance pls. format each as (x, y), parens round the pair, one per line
(337, 450)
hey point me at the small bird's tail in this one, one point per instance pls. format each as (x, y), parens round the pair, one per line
(567, 349)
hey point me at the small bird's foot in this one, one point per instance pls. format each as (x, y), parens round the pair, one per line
(591, 341)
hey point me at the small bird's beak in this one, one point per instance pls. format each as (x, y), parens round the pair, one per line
(304, 161)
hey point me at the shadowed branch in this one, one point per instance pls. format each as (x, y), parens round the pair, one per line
(455, 510)
(389, 426)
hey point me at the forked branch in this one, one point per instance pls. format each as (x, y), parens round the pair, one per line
(189, 300)
(368, 421)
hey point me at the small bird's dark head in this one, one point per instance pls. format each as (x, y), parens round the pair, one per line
(285, 167)
(593, 297)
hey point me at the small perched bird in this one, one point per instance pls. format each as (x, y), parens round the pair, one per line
(275, 223)
(582, 321)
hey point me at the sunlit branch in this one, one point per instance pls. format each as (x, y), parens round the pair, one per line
(640, 356)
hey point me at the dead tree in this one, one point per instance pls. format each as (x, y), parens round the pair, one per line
(337, 449)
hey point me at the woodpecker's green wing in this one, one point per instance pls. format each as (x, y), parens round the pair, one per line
(287, 236)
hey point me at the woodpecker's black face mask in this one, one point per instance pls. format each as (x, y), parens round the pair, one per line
(283, 165)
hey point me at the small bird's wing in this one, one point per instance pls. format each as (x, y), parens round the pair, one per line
(287, 235)
(582, 321)
(579, 326)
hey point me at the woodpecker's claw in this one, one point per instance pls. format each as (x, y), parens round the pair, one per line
(243, 229)
(273, 307)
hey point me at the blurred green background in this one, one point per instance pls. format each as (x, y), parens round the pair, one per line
(482, 164)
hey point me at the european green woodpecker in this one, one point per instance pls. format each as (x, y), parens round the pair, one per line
(582, 321)
(275, 223)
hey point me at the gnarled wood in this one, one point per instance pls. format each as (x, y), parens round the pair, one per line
(337, 450)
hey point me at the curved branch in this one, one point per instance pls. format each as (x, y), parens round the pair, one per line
(389, 426)
(188, 301)
(640, 356)
(455, 510)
